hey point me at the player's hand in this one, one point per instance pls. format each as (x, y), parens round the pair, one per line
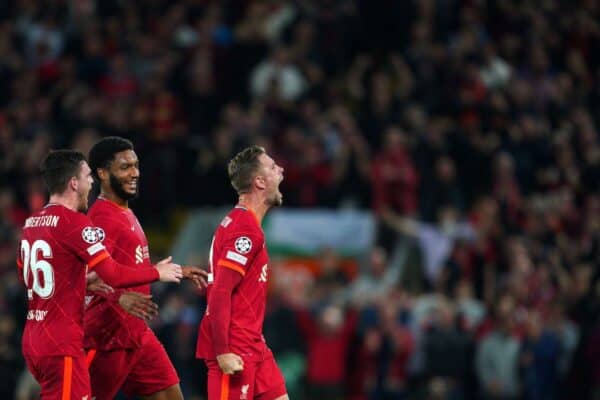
(196, 275)
(139, 305)
(230, 363)
(91, 277)
(168, 271)
(100, 286)
(95, 284)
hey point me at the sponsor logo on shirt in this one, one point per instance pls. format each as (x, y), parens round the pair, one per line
(263, 274)
(141, 253)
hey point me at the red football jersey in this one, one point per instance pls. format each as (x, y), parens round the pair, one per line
(239, 244)
(107, 325)
(56, 245)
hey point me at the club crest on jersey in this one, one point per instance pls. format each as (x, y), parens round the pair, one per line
(243, 245)
(92, 235)
(244, 392)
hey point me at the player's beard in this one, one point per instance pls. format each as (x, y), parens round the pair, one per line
(83, 201)
(117, 187)
(276, 200)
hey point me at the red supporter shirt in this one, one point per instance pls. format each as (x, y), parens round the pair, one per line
(327, 352)
(56, 245)
(107, 325)
(239, 244)
(395, 181)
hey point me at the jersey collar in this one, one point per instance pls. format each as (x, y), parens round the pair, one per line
(113, 203)
(251, 213)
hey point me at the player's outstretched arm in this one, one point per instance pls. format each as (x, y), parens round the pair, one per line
(120, 275)
(168, 271)
(195, 274)
(86, 241)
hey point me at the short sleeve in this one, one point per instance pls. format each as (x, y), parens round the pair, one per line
(239, 249)
(86, 240)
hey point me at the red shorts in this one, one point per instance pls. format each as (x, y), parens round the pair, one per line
(60, 377)
(137, 372)
(258, 381)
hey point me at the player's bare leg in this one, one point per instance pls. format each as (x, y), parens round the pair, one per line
(170, 393)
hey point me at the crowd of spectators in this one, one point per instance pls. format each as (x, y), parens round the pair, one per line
(469, 128)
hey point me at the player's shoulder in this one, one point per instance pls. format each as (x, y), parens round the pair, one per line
(67, 217)
(104, 212)
(69, 221)
(240, 220)
(101, 208)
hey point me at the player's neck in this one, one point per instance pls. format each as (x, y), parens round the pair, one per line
(110, 196)
(254, 204)
(65, 200)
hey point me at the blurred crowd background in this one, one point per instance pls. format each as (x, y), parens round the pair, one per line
(469, 128)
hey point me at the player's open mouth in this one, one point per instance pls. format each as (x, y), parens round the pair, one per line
(132, 185)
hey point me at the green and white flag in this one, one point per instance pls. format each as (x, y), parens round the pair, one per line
(307, 232)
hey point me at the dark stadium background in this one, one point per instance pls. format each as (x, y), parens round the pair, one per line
(466, 130)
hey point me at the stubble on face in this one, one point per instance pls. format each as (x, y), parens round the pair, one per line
(117, 187)
(83, 202)
(84, 187)
(276, 200)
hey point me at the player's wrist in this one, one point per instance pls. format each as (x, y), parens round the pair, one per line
(156, 273)
(222, 350)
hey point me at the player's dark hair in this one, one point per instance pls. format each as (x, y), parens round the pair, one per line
(103, 152)
(59, 167)
(243, 168)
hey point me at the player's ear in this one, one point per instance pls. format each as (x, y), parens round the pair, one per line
(259, 181)
(102, 173)
(74, 183)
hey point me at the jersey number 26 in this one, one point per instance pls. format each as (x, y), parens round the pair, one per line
(30, 255)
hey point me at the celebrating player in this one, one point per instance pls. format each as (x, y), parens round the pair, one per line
(240, 365)
(56, 245)
(123, 351)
